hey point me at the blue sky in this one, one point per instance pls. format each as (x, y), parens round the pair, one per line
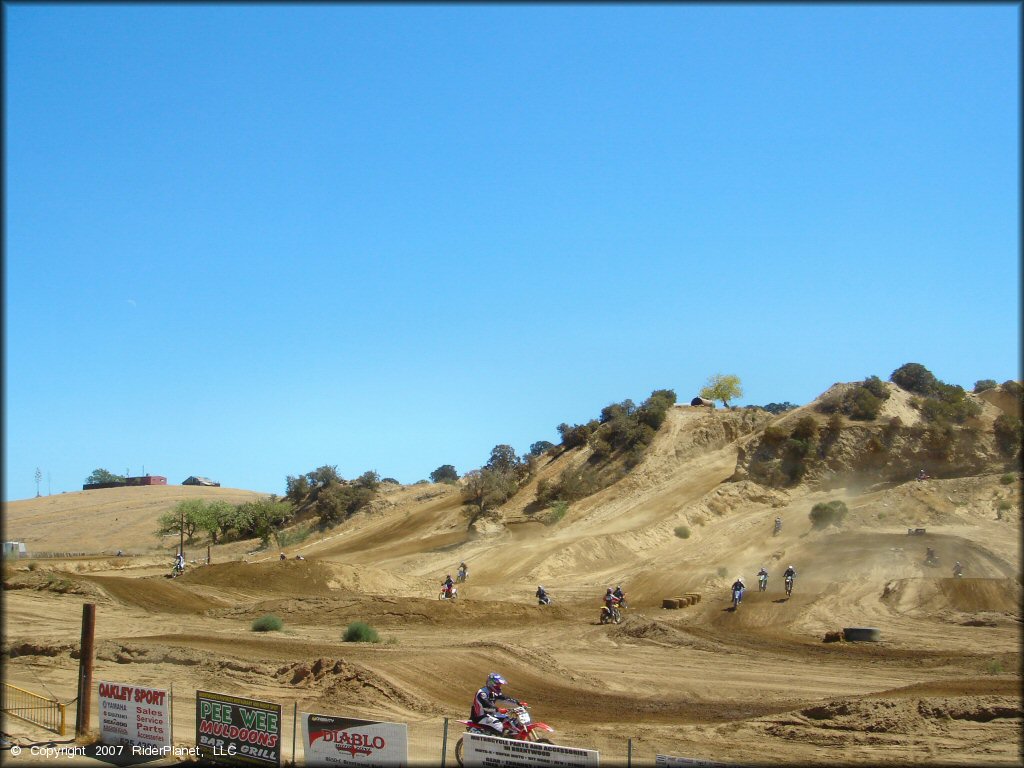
(248, 241)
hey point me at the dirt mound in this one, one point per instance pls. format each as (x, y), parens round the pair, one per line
(971, 595)
(155, 594)
(341, 682)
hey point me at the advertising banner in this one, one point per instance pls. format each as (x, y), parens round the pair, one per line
(331, 741)
(480, 750)
(666, 761)
(134, 715)
(237, 731)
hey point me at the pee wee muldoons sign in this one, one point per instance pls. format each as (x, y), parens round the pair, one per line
(237, 731)
(346, 741)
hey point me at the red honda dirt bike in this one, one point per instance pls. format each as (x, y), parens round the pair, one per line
(519, 727)
(445, 594)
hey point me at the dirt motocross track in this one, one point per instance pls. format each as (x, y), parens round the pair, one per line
(755, 685)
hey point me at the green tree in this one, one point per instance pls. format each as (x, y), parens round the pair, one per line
(184, 516)
(503, 458)
(297, 488)
(488, 488)
(724, 387)
(914, 377)
(981, 385)
(103, 476)
(444, 474)
(215, 517)
(540, 447)
(260, 518)
(369, 479)
(321, 477)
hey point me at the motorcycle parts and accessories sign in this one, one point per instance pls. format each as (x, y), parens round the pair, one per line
(667, 761)
(487, 751)
(133, 715)
(331, 741)
(232, 730)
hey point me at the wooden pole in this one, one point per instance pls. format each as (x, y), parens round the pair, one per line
(86, 657)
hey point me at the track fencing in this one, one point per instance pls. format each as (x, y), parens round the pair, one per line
(33, 708)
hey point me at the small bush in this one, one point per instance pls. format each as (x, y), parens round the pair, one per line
(268, 623)
(1004, 505)
(994, 667)
(984, 384)
(722, 570)
(682, 531)
(33, 566)
(1008, 431)
(828, 513)
(1008, 478)
(360, 632)
(556, 512)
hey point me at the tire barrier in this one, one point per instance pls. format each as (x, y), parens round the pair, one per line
(862, 634)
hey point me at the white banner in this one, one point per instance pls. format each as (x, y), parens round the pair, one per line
(666, 761)
(134, 715)
(331, 741)
(487, 751)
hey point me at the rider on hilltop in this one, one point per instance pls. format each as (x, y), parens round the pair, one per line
(485, 709)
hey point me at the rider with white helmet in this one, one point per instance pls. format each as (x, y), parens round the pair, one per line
(485, 708)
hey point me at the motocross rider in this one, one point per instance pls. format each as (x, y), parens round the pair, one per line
(448, 584)
(958, 570)
(738, 585)
(762, 574)
(542, 596)
(485, 709)
(790, 573)
(621, 595)
(611, 602)
(179, 563)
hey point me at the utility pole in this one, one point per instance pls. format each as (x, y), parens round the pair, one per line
(86, 658)
(39, 477)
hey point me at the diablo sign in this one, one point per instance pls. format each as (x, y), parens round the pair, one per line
(329, 741)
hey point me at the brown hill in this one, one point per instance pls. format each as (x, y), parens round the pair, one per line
(703, 681)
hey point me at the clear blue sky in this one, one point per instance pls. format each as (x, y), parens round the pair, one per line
(248, 241)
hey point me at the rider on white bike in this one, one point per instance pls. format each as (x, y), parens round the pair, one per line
(762, 578)
(486, 711)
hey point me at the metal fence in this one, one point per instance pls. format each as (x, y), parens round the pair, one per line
(33, 708)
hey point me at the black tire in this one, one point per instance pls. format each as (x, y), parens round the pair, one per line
(440, 595)
(862, 634)
(458, 750)
(604, 617)
(544, 741)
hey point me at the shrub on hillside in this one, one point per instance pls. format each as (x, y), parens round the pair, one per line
(1008, 432)
(268, 623)
(982, 385)
(444, 474)
(863, 405)
(914, 377)
(556, 512)
(828, 513)
(360, 632)
(577, 435)
(682, 531)
(777, 408)
(1008, 478)
(774, 435)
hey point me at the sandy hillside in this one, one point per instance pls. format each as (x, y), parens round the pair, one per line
(756, 684)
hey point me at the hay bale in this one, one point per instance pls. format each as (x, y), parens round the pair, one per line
(700, 401)
(683, 602)
(670, 602)
(832, 637)
(694, 597)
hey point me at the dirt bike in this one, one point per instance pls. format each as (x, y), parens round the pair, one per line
(445, 595)
(958, 573)
(762, 582)
(610, 615)
(519, 726)
(461, 576)
(545, 600)
(778, 528)
(789, 586)
(932, 560)
(737, 597)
